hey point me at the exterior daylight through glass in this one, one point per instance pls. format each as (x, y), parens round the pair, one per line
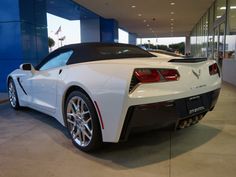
(214, 36)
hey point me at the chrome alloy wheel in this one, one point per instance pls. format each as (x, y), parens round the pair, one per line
(79, 121)
(12, 94)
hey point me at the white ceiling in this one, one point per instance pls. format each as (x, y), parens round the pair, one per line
(186, 15)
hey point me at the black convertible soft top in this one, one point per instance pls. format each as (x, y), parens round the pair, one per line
(87, 52)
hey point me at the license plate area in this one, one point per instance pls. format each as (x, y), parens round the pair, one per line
(195, 104)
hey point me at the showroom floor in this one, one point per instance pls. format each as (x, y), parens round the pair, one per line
(35, 145)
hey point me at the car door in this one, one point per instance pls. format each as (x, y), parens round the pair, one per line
(44, 82)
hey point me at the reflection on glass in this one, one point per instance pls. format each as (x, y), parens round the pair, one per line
(220, 9)
(230, 46)
(212, 39)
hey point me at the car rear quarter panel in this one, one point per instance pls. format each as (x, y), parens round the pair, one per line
(107, 84)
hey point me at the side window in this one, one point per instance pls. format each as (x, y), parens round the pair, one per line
(58, 61)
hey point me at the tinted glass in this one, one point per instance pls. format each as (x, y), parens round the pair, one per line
(86, 53)
(58, 61)
(230, 47)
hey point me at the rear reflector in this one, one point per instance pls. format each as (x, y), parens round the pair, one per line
(99, 114)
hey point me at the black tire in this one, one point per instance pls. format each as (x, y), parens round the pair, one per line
(96, 137)
(12, 90)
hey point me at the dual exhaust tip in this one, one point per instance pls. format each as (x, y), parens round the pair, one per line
(189, 122)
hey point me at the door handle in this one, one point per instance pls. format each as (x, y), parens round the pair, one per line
(60, 71)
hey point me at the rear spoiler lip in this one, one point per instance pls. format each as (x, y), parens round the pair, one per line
(188, 60)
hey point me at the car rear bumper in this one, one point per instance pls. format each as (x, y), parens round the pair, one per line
(157, 115)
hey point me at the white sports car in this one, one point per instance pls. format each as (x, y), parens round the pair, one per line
(103, 92)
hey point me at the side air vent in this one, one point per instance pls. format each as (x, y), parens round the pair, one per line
(133, 83)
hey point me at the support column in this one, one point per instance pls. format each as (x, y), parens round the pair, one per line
(90, 30)
(108, 30)
(98, 29)
(132, 38)
(23, 34)
(187, 45)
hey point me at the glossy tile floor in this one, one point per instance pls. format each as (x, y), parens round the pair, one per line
(35, 145)
(3, 97)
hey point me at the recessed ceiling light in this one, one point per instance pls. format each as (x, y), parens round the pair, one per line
(172, 19)
(144, 21)
(148, 25)
(139, 15)
(172, 13)
(172, 3)
(172, 24)
(133, 7)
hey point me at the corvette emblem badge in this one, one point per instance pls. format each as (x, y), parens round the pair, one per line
(197, 73)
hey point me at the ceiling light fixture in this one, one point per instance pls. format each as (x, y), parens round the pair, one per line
(231, 7)
(172, 13)
(144, 21)
(172, 3)
(148, 25)
(133, 6)
(172, 19)
(139, 15)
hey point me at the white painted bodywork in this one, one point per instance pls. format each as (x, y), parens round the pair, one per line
(107, 83)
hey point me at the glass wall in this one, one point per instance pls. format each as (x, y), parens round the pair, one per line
(230, 45)
(214, 36)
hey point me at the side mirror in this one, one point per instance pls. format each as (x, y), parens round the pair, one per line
(27, 67)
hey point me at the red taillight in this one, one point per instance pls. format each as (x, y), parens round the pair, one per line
(213, 69)
(150, 75)
(147, 75)
(156, 75)
(170, 74)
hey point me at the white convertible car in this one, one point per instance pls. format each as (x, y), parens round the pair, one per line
(103, 92)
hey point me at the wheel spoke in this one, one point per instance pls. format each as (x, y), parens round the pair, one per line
(75, 135)
(88, 129)
(74, 107)
(86, 134)
(82, 107)
(70, 115)
(88, 120)
(83, 137)
(70, 121)
(84, 113)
